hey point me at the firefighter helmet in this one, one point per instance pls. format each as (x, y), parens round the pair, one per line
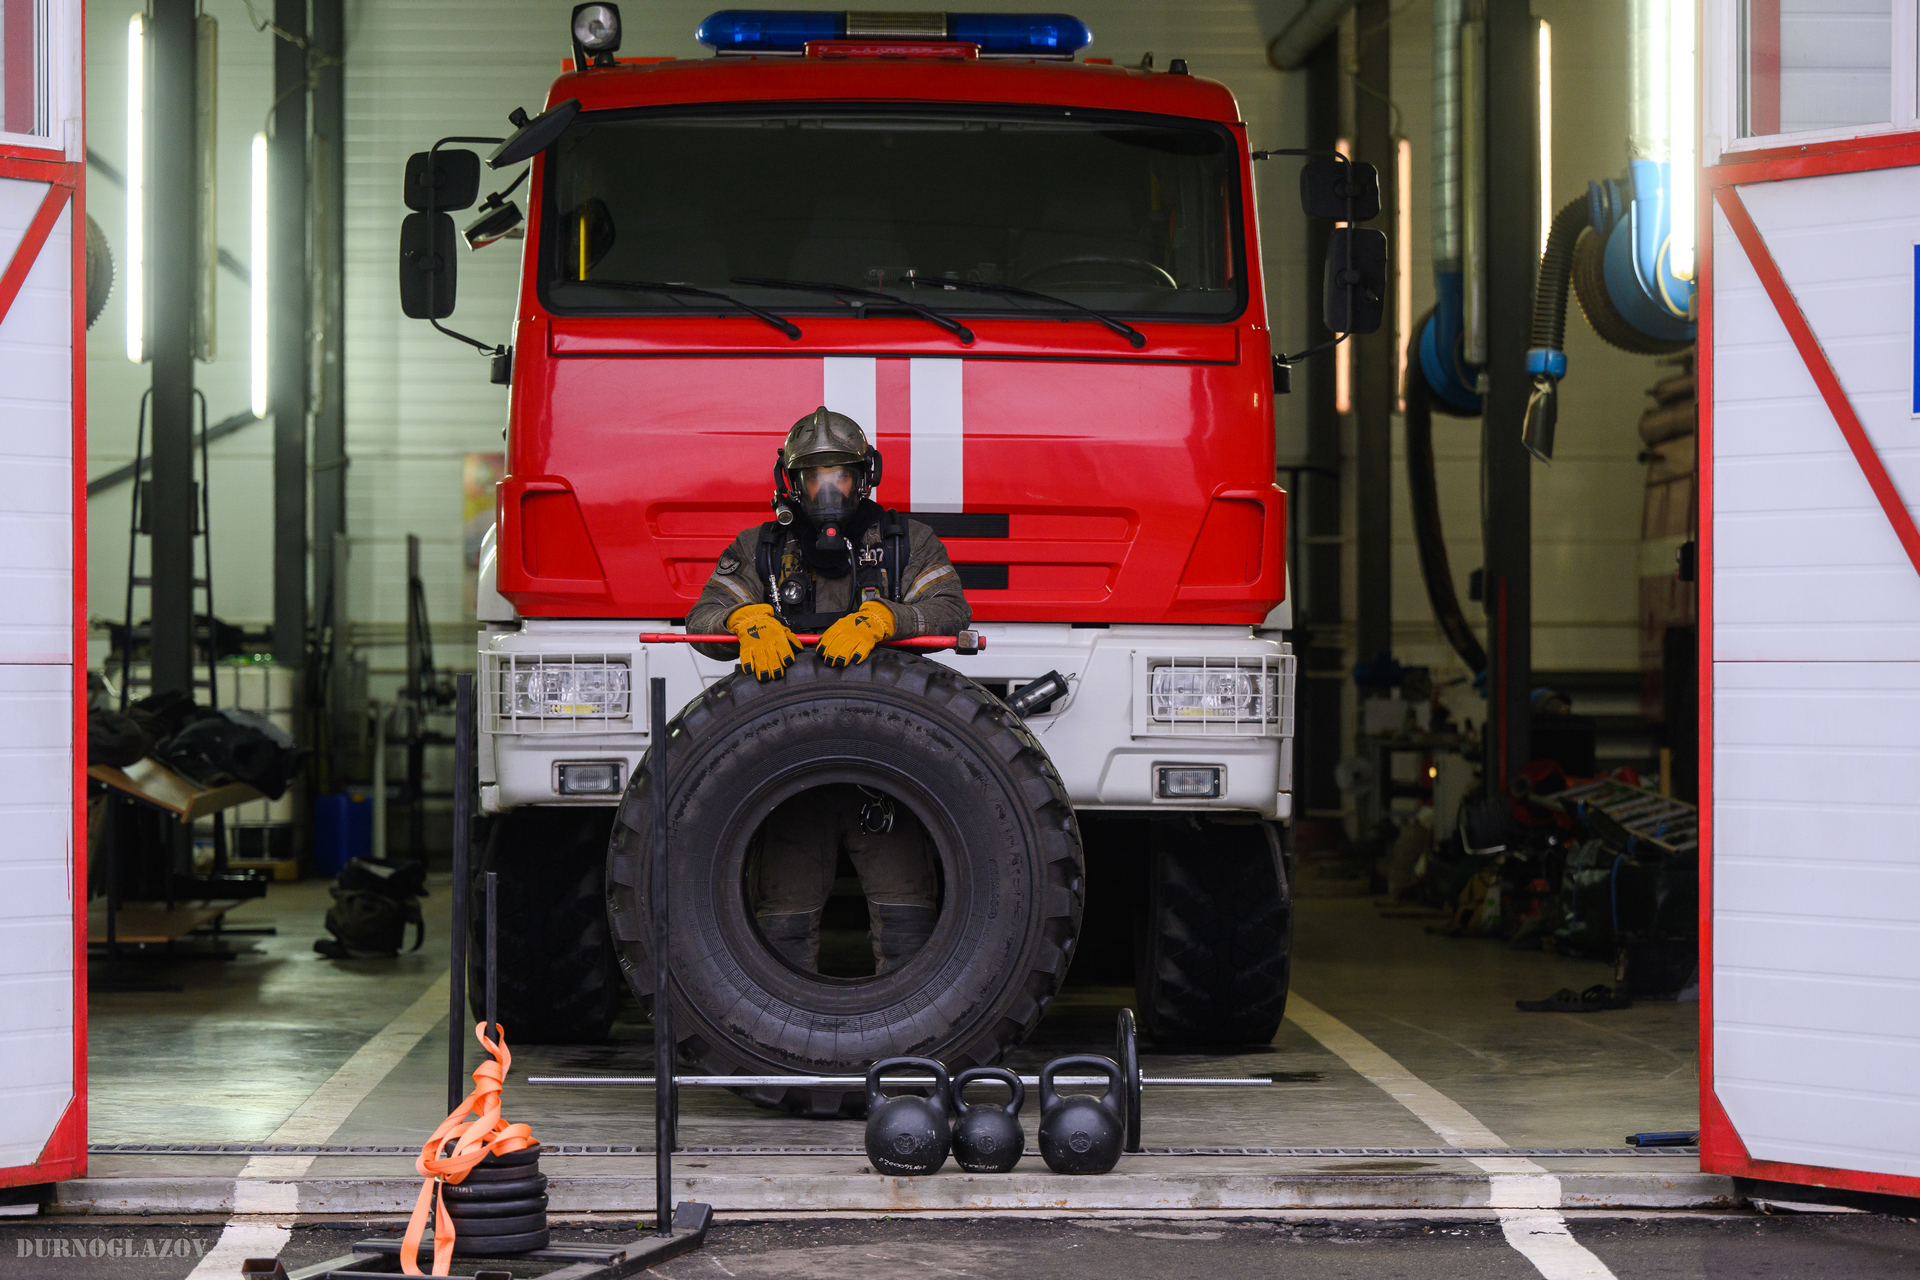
(823, 439)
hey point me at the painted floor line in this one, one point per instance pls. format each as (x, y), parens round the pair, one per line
(267, 1193)
(1525, 1195)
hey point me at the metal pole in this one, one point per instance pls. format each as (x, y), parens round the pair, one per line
(1512, 258)
(663, 1055)
(287, 330)
(457, 983)
(172, 207)
(493, 957)
(329, 282)
(1374, 360)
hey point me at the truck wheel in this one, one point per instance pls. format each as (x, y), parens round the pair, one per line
(1214, 955)
(558, 981)
(943, 749)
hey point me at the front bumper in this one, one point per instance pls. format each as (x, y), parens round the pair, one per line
(1102, 736)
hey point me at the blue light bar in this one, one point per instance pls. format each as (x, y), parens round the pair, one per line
(1056, 35)
(768, 30)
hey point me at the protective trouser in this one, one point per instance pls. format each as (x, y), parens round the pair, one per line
(804, 837)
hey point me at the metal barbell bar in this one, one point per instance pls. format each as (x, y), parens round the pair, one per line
(856, 1082)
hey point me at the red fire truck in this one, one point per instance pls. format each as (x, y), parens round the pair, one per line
(1034, 279)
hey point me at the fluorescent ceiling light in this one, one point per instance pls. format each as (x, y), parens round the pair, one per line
(257, 279)
(136, 268)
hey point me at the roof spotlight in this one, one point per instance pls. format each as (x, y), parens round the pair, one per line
(596, 34)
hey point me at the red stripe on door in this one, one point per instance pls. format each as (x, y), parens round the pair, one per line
(29, 247)
(1821, 368)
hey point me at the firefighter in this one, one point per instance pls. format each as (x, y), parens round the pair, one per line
(834, 563)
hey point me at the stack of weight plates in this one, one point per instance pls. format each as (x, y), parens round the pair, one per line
(501, 1205)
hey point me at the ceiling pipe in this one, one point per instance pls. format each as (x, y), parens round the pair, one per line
(1296, 42)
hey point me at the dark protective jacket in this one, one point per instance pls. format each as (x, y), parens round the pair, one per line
(930, 601)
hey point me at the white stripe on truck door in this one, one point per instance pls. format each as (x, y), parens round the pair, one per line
(847, 386)
(938, 479)
(936, 476)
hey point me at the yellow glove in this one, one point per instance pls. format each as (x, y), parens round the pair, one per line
(766, 646)
(852, 638)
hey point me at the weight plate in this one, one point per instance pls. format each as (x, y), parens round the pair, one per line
(536, 1185)
(464, 1209)
(515, 1226)
(1127, 1054)
(467, 1246)
(512, 1158)
(500, 1173)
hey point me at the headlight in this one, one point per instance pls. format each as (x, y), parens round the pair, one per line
(1182, 693)
(570, 689)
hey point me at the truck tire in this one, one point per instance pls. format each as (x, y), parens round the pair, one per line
(1215, 953)
(558, 980)
(943, 748)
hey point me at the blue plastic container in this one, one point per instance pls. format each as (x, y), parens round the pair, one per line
(342, 830)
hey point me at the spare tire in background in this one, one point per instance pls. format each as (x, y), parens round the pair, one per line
(944, 749)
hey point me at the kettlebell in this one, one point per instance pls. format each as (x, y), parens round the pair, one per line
(908, 1136)
(988, 1139)
(1080, 1133)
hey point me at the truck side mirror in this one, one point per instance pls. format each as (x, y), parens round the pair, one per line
(445, 181)
(1326, 185)
(1355, 281)
(531, 137)
(428, 268)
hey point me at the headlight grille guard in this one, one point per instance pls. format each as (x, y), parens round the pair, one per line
(1189, 695)
(556, 693)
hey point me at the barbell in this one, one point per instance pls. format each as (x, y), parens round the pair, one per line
(1126, 1057)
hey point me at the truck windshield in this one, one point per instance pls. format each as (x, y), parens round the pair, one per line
(1129, 215)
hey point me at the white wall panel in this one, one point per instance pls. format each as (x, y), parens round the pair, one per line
(1806, 566)
(1816, 910)
(36, 906)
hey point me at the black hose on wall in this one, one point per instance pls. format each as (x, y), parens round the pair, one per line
(1423, 492)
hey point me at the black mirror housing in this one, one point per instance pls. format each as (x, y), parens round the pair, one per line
(1326, 185)
(535, 135)
(1355, 280)
(428, 269)
(445, 181)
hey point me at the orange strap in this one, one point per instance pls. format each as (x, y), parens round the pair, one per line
(447, 1158)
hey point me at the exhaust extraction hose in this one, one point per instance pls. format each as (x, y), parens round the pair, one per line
(1423, 494)
(1547, 358)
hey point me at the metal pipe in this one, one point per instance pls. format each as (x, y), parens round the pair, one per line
(287, 329)
(1473, 190)
(663, 1043)
(380, 774)
(1446, 134)
(457, 965)
(854, 1082)
(1296, 42)
(1649, 121)
(493, 956)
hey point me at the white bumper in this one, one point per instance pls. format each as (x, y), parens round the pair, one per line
(1102, 737)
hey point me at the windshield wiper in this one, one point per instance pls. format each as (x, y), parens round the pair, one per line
(779, 322)
(851, 291)
(1120, 327)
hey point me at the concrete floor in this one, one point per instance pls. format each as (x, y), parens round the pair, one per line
(1645, 1247)
(248, 1040)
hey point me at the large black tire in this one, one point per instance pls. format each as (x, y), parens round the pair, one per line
(1215, 953)
(558, 980)
(946, 750)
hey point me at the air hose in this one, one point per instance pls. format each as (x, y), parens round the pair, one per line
(1424, 501)
(1547, 358)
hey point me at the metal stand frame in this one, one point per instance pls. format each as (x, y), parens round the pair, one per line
(676, 1231)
